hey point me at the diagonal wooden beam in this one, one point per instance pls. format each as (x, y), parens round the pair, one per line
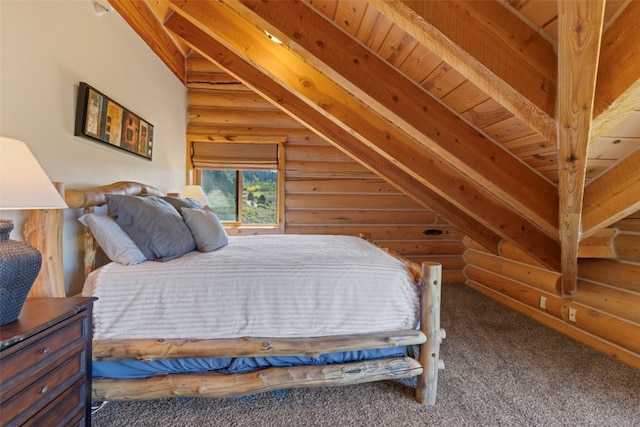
(332, 111)
(612, 197)
(618, 84)
(579, 35)
(354, 67)
(143, 20)
(263, 84)
(492, 48)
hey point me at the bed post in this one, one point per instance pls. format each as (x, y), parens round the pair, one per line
(427, 382)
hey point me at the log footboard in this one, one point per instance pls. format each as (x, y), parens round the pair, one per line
(428, 337)
(233, 385)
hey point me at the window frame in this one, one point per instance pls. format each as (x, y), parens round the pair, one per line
(195, 177)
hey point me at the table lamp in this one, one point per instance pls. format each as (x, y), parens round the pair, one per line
(195, 192)
(23, 185)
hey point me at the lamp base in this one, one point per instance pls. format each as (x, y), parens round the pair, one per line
(19, 266)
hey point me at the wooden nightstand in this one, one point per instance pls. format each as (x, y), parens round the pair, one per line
(45, 364)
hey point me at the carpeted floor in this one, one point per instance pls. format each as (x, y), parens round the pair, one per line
(502, 369)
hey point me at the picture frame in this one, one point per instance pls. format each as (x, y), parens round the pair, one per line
(102, 119)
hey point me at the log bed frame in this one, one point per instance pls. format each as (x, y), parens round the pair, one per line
(215, 385)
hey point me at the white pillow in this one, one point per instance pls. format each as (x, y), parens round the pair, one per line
(113, 240)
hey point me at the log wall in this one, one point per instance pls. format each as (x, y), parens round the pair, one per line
(325, 191)
(603, 312)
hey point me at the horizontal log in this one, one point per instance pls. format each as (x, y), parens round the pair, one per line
(319, 153)
(371, 185)
(618, 331)
(609, 300)
(598, 245)
(251, 230)
(232, 100)
(627, 247)
(379, 234)
(435, 247)
(449, 262)
(294, 136)
(354, 216)
(238, 138)
(517, 290)
(511, 251)
(153, 349)
(630, 223)
(311, 169)
(453, 277)
(610, 272)
(472, 244)
(197, 63)
(350, 201)
(226, 116)
(537, 277)
(216, 385)
(215, 81)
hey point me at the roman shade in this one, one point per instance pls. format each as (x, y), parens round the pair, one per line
(208, 155)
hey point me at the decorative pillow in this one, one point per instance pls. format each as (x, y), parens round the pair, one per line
(179, 203)
(206, 228)
(153, 224)
(113, 240)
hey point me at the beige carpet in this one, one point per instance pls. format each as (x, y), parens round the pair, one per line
(502, 369)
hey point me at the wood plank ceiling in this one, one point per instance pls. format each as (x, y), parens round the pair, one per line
(514, 120)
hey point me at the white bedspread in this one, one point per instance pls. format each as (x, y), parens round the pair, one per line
(257, 286)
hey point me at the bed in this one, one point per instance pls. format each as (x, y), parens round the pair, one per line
(249, 314)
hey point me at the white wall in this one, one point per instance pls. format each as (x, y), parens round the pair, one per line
(46, 49)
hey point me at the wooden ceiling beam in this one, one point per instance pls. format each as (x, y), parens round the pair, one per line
(324, 107)
(145, 23)
(491, 47)
(579, 36)
(612, 197)
(354, 67)
(618, 84)
(265, 85)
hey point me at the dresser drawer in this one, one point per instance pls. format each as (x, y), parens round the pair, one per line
(35, 354)
(68, 409)
(43, 390)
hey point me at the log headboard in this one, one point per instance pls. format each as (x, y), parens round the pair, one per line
(95, 196)
(89, 198)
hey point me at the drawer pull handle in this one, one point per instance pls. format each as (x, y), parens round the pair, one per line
(44, 350)
(43, 390)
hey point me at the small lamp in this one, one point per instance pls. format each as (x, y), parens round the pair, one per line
(23, 185)
(195, 192)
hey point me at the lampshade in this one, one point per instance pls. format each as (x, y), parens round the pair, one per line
(195, 192)
(23, 185)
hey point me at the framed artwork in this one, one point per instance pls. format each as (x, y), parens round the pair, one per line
(100, 118)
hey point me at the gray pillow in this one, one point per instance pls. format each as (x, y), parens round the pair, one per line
(153, 224)
(206, 228)
(178, 203)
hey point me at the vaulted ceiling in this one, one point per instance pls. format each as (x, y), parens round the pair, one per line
(514, 120)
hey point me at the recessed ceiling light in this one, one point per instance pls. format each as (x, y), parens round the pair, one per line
(272, 37)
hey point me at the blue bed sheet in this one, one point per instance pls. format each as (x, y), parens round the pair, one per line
(228, 365)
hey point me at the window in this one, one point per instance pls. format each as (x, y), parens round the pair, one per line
(243, 181)
(258, 189)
